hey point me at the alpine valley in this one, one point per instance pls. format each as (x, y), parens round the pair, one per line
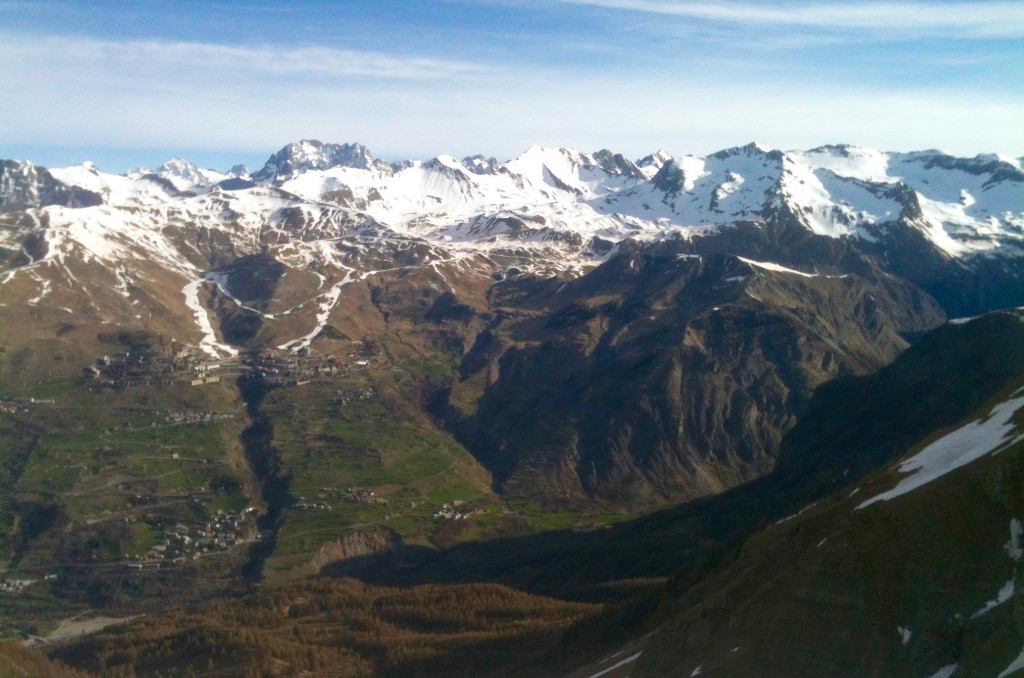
(754, 413)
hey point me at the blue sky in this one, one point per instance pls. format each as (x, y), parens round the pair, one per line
(132, 83)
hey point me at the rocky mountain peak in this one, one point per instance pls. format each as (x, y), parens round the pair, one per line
(749, 150)
(179, 168)
(669, 178)
(311, 154)
(616, 163)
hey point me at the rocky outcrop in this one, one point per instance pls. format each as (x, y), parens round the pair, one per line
(358, 550)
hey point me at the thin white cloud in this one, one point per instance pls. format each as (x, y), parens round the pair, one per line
(152, 58)
(994, 19)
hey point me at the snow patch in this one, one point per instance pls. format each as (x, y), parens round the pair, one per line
(770, 266)
(946, 671)
(43, 291)
(962, 321)
(1013, 548)
(329, 300)
(627, 660)
(964, 445)
(209, 342)
(1015, 666)
(800, 512)
(1005, 593)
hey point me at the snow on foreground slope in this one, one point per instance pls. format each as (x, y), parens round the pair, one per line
(553, 209)
(992, 433)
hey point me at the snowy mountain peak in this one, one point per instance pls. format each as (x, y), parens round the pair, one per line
(751, 149)
(25, 185)
(650, 164)
(996, 167)
(549, 201)
(310, 154)
(179, 166)
(445, 161)
(185, 175)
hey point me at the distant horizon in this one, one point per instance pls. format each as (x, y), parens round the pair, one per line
(122, 160)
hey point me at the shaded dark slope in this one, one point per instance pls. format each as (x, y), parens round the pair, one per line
(663, 376)
(932, 385)
(846, 432)
(900, 588)
(252, 280)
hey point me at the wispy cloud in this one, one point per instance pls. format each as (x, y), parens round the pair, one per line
(987, 19)
(158, 58)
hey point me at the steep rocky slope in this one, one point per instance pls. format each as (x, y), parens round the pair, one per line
(662, 375)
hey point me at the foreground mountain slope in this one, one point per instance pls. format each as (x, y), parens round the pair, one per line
(911, 571)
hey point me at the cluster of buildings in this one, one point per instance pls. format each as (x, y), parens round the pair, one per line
(12, 404)
(160, 366)
(157, 367)
(181, 543)
(450, 511)
(192, 417)
(19, 585)
(349, 396)
(16, 585)
(302, 504)
(280, 368)
(354, 495)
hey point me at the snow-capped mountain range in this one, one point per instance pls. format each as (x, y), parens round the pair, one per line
(336, 211)
(964, 206)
